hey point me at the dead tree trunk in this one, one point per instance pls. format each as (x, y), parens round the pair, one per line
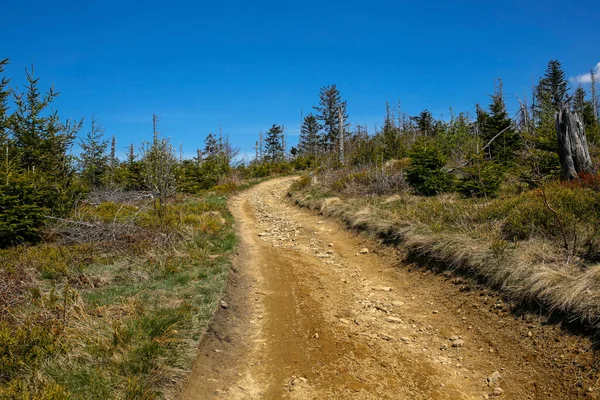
(341, 136)
(572, 145)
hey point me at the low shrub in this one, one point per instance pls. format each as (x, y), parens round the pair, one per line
(568, 215)
(302, 183)
(425, 172)
(481, 179)
(304, 162)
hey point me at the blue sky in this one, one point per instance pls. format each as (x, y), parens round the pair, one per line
(247, 65)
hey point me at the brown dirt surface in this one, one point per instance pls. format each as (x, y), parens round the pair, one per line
(310, 315)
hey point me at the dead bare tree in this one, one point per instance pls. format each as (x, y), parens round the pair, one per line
(112, 162)
(594, 98)
(341, 138)
(572, 145)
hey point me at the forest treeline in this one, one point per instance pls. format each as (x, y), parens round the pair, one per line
(469, 152)
(42, 179)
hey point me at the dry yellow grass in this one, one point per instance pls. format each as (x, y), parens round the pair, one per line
(533, 270)
(113, 307)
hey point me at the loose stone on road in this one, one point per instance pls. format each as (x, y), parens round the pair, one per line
(316, 312)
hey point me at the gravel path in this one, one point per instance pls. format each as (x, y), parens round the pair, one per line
(316, 312)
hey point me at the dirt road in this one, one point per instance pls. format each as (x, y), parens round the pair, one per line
(310, 314)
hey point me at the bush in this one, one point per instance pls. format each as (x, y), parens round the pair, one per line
(194, 178)
(425, 172)
(20, 215)
(539, 164)
(305, 162)
(577, 209)
(258, 170)
(481, 179)
(302, 183)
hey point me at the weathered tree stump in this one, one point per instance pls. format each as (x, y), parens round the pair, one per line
(572, 145)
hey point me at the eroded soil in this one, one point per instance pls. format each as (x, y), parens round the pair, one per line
(310, 314)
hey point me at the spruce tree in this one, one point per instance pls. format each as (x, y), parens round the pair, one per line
(392, 147)
(134, 174)
(131, 156)
(159, 164)
(578, 100)
(554, 84)
(497, 129)
(28, 122)
(42, 144)
(41, 139)
(273, 143)
(585, 109)
(309, 135)
(20, 214)
(93, 161)
(4, 94)
(36, 178)
(550, 96)
(211, 164)
(425, 123)
(212, 147)
(330, 104)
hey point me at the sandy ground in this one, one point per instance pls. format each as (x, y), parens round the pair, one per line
(310, 314)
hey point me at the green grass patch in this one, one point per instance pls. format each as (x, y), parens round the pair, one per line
(114, 320)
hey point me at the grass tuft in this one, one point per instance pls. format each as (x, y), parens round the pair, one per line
(538, 246)
(119, 316)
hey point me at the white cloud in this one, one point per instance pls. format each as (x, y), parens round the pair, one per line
(587, 78)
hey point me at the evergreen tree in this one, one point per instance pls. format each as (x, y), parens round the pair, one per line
(578, 100)
(42, 145)
(211, 164)
(159, 164)
(309, 135)
(550, 96)
(20, 214)
(330, 104)
(131, 156)
(212, 147)
(273, 143)
(458, 140)
(6, 149)
(392, 147)
(554, 85)
(482, 117)
(585, 108)
(425, 123)
(41, 140)
(93, 160)
(4, 94)
(497, 122)
(36, 175)
(426, 173)
(134, 179)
